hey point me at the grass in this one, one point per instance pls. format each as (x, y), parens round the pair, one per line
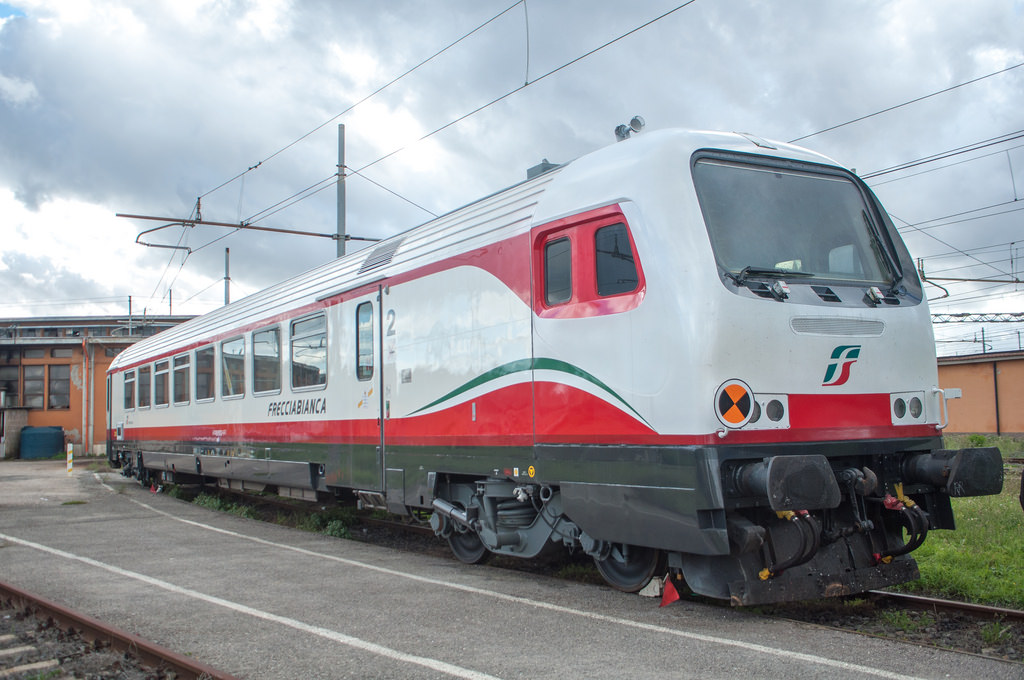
(983, 560)
(994, 632)
(211, 502)
(330, 521)
(902, 620)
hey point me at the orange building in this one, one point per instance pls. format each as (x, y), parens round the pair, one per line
(992, 392)
(53, 373)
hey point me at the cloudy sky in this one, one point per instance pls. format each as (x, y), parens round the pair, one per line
(146, 107)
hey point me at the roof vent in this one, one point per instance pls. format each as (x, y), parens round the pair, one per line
(381, 255)
(539, 169)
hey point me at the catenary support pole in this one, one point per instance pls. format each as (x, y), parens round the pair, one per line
(341, 189)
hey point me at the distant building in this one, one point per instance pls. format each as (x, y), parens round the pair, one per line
(992, 392)
(53, 373)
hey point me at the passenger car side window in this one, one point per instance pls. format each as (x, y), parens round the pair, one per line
(309, 352)
(232, 363)
(364, 341)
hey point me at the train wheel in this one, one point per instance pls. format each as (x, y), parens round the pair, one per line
(468, 547)
(629, 568)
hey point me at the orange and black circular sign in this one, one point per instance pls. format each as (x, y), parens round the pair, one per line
(734, 403)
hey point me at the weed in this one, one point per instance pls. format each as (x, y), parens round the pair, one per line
(901, 619)
(338, 529)
(977, 440)
(994, 632)
(242, 511)
(314, 522)
(210, 502)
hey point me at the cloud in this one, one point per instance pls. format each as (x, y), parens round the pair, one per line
(17, 92)
(111, 106)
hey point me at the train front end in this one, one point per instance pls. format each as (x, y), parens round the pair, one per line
(820, 385)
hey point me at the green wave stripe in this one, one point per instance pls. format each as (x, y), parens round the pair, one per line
(520, 365)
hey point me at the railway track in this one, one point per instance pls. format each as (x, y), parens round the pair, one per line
(938, 604)
(29, 654)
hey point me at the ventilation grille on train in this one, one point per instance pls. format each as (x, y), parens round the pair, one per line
(381, 255)
(826, 293)
(836, 325)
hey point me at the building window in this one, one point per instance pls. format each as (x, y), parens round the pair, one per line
(616, 268)
(35, 386)
(61, 352)
(557, 271)
(9, 385)
(129, 390)
(204, 373)
(232, 358)
(364, 341)
(181, 373)
(34, 353)
(160, 375)
(143, 386)
(60, 387)
(266, 360)
(309, 352)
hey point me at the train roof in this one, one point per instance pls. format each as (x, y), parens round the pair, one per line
(490, 219)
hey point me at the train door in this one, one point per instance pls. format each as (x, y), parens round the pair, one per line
(368, 463)
(394, 469)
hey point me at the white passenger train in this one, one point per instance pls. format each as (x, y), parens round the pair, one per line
(695, 352)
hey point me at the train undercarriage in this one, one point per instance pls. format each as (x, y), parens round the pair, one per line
(787, 527)
(797, 527)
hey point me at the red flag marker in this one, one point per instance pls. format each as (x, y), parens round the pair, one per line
(670, 593)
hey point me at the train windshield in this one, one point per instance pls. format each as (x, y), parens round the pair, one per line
(784, 220)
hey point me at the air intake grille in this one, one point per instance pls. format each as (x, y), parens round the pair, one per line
(836, 325)
(381, 255)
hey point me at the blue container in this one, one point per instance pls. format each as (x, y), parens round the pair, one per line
(41, 442)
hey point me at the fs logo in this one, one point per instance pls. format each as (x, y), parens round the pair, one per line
(838, 371)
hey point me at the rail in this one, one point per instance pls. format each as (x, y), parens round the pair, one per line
(94, 630)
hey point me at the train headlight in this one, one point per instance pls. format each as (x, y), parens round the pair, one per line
(916, 407)
(907, 408)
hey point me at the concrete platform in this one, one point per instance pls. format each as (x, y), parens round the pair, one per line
(262, 601)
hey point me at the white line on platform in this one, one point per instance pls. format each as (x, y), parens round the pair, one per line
(364, 645)
(700, 637)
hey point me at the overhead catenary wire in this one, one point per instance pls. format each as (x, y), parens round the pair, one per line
(942, 155)
(326, 182)
(390, 191)
(907, 103)
(364, 99)
(528, 84)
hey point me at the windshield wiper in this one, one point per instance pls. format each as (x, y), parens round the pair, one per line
(772, 272)
(887, 249)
